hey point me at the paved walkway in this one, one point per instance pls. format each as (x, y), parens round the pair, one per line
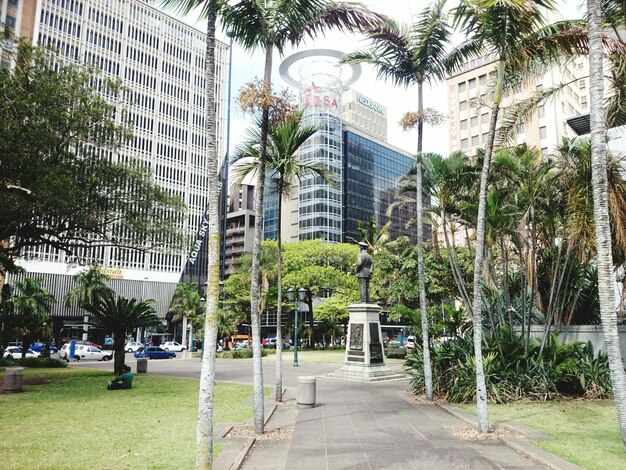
(358, 426)
(376, 426)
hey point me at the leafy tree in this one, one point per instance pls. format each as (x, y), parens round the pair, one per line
(604, 258)
(186, 305)
(269, 25)
(89, 284)
(32, 304)
(120, 315)
(58, 185)
(284, 140)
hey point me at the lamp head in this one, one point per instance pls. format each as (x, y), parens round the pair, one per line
(302, 294)
(290, 294)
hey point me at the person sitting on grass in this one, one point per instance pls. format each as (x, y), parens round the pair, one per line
(123, 381)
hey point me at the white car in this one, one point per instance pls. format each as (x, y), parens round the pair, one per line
(84, 352)
(15, 352)
(133, 346)
(173, 346)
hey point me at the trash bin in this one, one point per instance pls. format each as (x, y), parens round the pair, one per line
(142, 366)
(13, 379)
(306, 391)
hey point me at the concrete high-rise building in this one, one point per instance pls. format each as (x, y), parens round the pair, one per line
(364, 114)
(161, 62)
(469, 97)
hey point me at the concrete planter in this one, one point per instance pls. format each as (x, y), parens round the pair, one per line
(142, 366)
(13, 379)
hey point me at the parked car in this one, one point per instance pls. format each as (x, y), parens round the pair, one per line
(173, 346)
(15, 352)
(133, 346)
(88, 343)
(155, 352)
(38, 347)
(241, 345)
(410, 342)
(84, 352)
(271, 343)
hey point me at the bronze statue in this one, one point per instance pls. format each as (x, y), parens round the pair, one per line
(364, 273)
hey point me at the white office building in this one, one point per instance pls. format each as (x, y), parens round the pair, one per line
(161, 61)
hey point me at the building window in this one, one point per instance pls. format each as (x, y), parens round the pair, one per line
(464, 144)
(462, 87)
(474, 121)
(542, 111)
(464, 124)
(472, 84)
(543, 133)
(10, 21)
(474, 140)
(482, 80)
(484, 118)
(463, 106)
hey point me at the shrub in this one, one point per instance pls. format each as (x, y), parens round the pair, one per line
(240, 354)
(571, 369)
(34, 362)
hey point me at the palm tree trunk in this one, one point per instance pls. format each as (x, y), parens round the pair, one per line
(119, 355)
(428, 374)
(206, 394)
(456, 272)
(255, 294)
(606, 280)
(479, 260)
(279, 282)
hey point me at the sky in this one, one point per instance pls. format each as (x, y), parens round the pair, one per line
(249, 65)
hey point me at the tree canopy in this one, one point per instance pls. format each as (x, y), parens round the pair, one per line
(60, 182)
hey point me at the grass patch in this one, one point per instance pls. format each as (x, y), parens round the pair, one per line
(70, 421)
(584, 432)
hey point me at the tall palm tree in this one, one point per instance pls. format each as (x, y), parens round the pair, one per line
(206, 394)
(284, 141)
(32, 304)
(88, 284)
(186, 305)
(120, 315)
(413, 57)
(606, 279)
(269, 25)
(515, 31)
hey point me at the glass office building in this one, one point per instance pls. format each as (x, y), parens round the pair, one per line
(371, 172)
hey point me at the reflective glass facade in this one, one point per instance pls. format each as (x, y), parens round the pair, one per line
(371, 172)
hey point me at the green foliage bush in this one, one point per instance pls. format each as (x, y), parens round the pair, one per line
(570, 369)
(240, 354)
(34, 362)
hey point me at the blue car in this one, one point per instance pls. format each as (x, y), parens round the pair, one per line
(155, 352)
(38, 347)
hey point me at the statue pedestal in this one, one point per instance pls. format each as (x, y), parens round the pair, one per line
(365, 355)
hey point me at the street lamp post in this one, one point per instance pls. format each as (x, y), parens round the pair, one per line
(291, 295)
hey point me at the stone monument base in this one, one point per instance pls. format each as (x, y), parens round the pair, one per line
(365, 357)
(359, 373)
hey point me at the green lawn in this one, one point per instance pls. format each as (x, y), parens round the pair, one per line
(73, 422)
(584, 432)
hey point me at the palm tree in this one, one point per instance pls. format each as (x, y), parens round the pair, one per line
(284, 141)
(186, 304)
(32, 305)
(606, 279)
(88, 284)
(206, 394)
(515, 32)
(413, 57)
(269, 25)
(120, 315)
